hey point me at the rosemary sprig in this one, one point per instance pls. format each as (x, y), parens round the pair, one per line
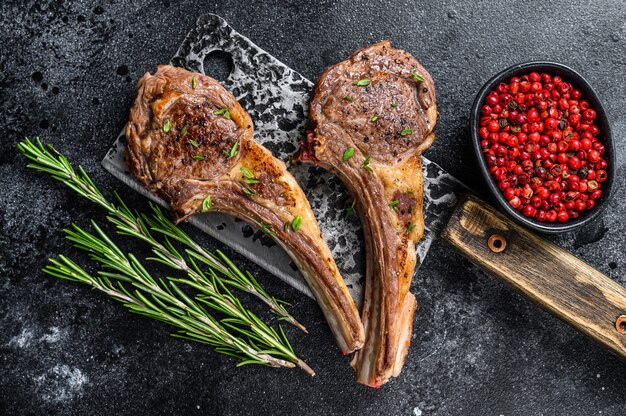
(47, 159)
(160, 223)
(163, 300)
(128, 269)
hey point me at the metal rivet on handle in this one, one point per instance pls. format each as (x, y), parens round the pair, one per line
(497, 243)
(620, 324)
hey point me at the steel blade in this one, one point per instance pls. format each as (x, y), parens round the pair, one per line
(277, 98)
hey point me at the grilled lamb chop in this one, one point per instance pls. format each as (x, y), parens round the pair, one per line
(371, 116)
(190, 142)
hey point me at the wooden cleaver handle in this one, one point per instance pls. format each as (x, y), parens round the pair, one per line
(545, 273)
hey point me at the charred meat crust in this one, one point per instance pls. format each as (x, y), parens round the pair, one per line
(380, 103)
(189, 139)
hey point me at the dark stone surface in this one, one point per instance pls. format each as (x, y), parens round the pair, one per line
(67, 74)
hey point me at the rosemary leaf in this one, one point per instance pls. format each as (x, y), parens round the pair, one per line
(223, 112)
(267, 229)
(416, 76)
(366, 164)
(363, 82)
(206, 203)
(233, 151)
(248, 191)
(350, 209)
(183, 133)
(296, 223)
(247, 173)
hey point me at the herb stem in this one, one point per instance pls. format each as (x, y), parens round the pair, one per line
(47, 159)
(164, 301)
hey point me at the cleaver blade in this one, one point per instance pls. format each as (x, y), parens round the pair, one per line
(277, 99)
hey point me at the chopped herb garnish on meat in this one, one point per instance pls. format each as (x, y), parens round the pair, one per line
(410, 227)
(393, 203)
(247, 173)
(206, 203)
(267, 229)
(183, 132)
(286, 226)
(406, 132)
(363, 82)
(373, 119)
(247, 191)
(166, 126)
(233, 151)
(348, 153)
(194, 82)
(296, 222)
(348, 98)
(198, 157)
(223, 112)
(193, 143)
(416, 76)
(366, 164)
(250, 179)
(350, 209)
(394, 104)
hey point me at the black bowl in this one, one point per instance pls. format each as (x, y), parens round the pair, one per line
(601, 120)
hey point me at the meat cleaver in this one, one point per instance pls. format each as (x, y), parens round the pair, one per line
(277, 99)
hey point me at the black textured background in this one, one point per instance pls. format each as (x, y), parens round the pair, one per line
(67, 73)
